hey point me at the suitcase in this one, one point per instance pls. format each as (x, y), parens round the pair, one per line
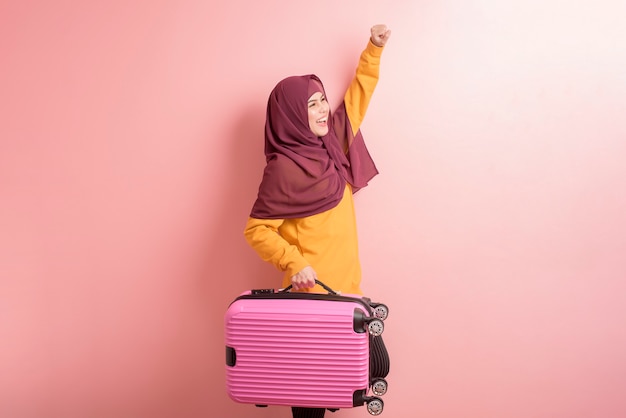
(303, 349)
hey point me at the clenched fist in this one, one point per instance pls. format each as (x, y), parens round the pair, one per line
(380, 35)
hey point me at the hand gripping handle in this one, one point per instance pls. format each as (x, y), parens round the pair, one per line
(328, 289)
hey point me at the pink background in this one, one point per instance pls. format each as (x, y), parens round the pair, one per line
(130, 155)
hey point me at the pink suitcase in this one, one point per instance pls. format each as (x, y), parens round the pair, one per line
(303, 349)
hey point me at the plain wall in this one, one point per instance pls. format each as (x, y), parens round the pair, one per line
(131, 148)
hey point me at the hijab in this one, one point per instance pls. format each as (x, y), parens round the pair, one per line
(305, 174)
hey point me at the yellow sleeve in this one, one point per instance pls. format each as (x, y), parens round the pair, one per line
(264, 237)
(362, 87)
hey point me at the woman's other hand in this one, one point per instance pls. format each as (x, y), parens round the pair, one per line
(380, 35)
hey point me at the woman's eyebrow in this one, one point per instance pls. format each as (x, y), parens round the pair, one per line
(314, 100)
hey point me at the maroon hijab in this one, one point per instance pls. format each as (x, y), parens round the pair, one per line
(306, 174)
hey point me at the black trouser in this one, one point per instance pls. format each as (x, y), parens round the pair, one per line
(379, 367)
(307, 412)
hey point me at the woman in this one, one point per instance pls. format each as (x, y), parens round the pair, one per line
(303, 221)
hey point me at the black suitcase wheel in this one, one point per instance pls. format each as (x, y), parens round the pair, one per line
(379, 387)
(376, 327)
(381, 311)
(375, 406)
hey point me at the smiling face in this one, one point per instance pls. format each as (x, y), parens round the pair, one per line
(318, 114)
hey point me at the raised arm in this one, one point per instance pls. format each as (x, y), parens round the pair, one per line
(359, 93)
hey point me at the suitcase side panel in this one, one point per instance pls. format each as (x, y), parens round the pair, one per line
(295, 352)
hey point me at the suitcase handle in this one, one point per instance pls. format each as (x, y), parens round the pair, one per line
(326, 288)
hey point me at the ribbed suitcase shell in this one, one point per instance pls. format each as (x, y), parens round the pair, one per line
(296, 351)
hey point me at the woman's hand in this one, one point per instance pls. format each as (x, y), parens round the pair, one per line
(304, 279)
(380, 35)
